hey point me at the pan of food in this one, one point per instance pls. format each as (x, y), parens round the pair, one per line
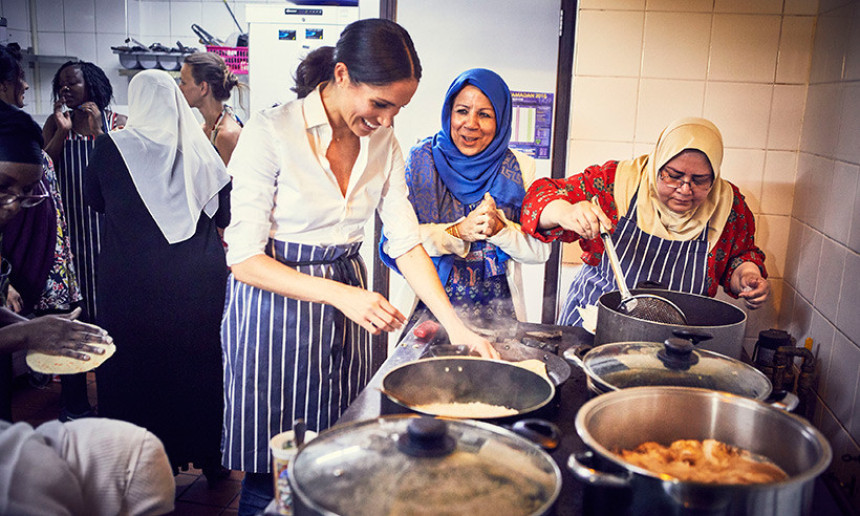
(466, 387)
(686, 451)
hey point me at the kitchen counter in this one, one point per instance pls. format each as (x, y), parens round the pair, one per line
(575, 499)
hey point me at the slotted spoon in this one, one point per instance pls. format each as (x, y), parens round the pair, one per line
(647, 307)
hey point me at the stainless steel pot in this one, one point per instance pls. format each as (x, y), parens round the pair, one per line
(675, 362)
(722, 322)
(422, 465)
(624, 419)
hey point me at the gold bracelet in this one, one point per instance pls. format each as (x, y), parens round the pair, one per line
(453, 231)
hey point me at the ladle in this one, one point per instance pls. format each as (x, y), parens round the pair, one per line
(647, 307)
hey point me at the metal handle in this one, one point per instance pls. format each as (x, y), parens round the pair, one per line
(613, 257)
(571, 355)
(541, 432)
(594, 477)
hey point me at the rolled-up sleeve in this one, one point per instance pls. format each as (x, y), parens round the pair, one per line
(254, 167)
(400, 225)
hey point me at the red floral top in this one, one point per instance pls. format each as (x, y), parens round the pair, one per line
(736, 244)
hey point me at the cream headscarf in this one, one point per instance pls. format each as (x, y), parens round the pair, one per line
(175, 169)
(641, 174)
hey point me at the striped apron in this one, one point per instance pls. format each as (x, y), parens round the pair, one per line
(84, 223)
(679, 265)
(286, 359)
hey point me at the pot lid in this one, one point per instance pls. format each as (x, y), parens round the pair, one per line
(423, 465)
(674, 363)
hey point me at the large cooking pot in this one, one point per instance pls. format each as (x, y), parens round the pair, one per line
(675, 362)
(409, 464)
(724, 323)
(624, 419)
(466, 380)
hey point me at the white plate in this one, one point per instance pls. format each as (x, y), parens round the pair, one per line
(589, 318)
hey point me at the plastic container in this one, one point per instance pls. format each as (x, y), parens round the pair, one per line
(235, 57)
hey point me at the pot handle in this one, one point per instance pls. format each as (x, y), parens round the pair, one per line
(574, 355)
(576, 464)
(693, 336)
(539, 431)
(783, 400)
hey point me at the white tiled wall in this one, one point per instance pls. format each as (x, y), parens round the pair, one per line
(781, 79)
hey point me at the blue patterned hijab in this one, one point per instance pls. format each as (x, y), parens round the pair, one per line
(468, 177)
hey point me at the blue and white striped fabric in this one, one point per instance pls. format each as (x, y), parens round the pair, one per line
(680, 265)
(286, 359)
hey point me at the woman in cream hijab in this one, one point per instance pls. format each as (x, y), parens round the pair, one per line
(162, 272)
(676, 222)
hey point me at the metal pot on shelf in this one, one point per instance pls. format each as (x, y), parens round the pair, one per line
(721, 321)
(421, 465)
(626, 418)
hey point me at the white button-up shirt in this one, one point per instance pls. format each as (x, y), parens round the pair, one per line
(284, 188)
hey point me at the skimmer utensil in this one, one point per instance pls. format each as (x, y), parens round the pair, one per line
(647, 307)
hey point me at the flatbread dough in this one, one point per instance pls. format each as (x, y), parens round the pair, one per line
(58, 364)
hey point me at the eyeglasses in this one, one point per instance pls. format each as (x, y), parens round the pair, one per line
(27, 200)
(676, 180)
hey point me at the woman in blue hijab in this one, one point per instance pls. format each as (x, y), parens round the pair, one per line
(467, 189)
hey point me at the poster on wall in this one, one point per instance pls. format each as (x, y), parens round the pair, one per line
(532, 123)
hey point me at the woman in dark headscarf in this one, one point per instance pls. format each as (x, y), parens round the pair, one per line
(467, 186)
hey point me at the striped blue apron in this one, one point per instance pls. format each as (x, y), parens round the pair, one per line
(286, 359)
(84, 223)
(679, 265)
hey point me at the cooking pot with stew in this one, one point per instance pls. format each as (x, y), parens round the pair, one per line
(409, 464)
(625, 419)
(719, 324)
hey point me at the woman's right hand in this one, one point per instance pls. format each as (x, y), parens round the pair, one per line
(369, 309)
(61, 119)
(463, 335)
(63, 335)
(583, 218)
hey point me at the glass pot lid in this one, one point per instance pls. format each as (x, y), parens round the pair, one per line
(421, 465)
(673, 363)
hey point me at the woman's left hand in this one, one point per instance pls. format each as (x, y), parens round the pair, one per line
(751, 286)
(14, 301)
(94, 117)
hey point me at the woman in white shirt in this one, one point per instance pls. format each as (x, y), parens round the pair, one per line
(307, 177)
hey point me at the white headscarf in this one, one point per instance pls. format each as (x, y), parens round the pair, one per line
(175, 169)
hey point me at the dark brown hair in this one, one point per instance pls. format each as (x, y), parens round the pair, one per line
(211, 68)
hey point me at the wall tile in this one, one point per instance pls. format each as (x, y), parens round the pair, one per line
(80, 15)
(849, 298)
(814, 177)
(821, 119)
(829, 282)
(848, 142)
(754, 37)
(134, 18)
(807, 266)
(22, 37)
(786, 116)
(663, 100)
(17, 14)
(745, 6)
(822, 333)
(183, 14)
(795, 49)
(676, 45)
(633, 5)
(854, 230)
(82, 45)
(828, 50)
(49, 16)
(154, 20)
(852, 52)
(777, 192)
(745, 168)
(795, 239)
(52, 43)
(743, 123)
(786, 306)
(697, 6)
(581, 154)
(809, 7)
(841, 378)
(623, 57)
(837, 212)
(640, 149)
(110, 16)
(772, 237)
(216, 20)
(604, 108)
(801, 317)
